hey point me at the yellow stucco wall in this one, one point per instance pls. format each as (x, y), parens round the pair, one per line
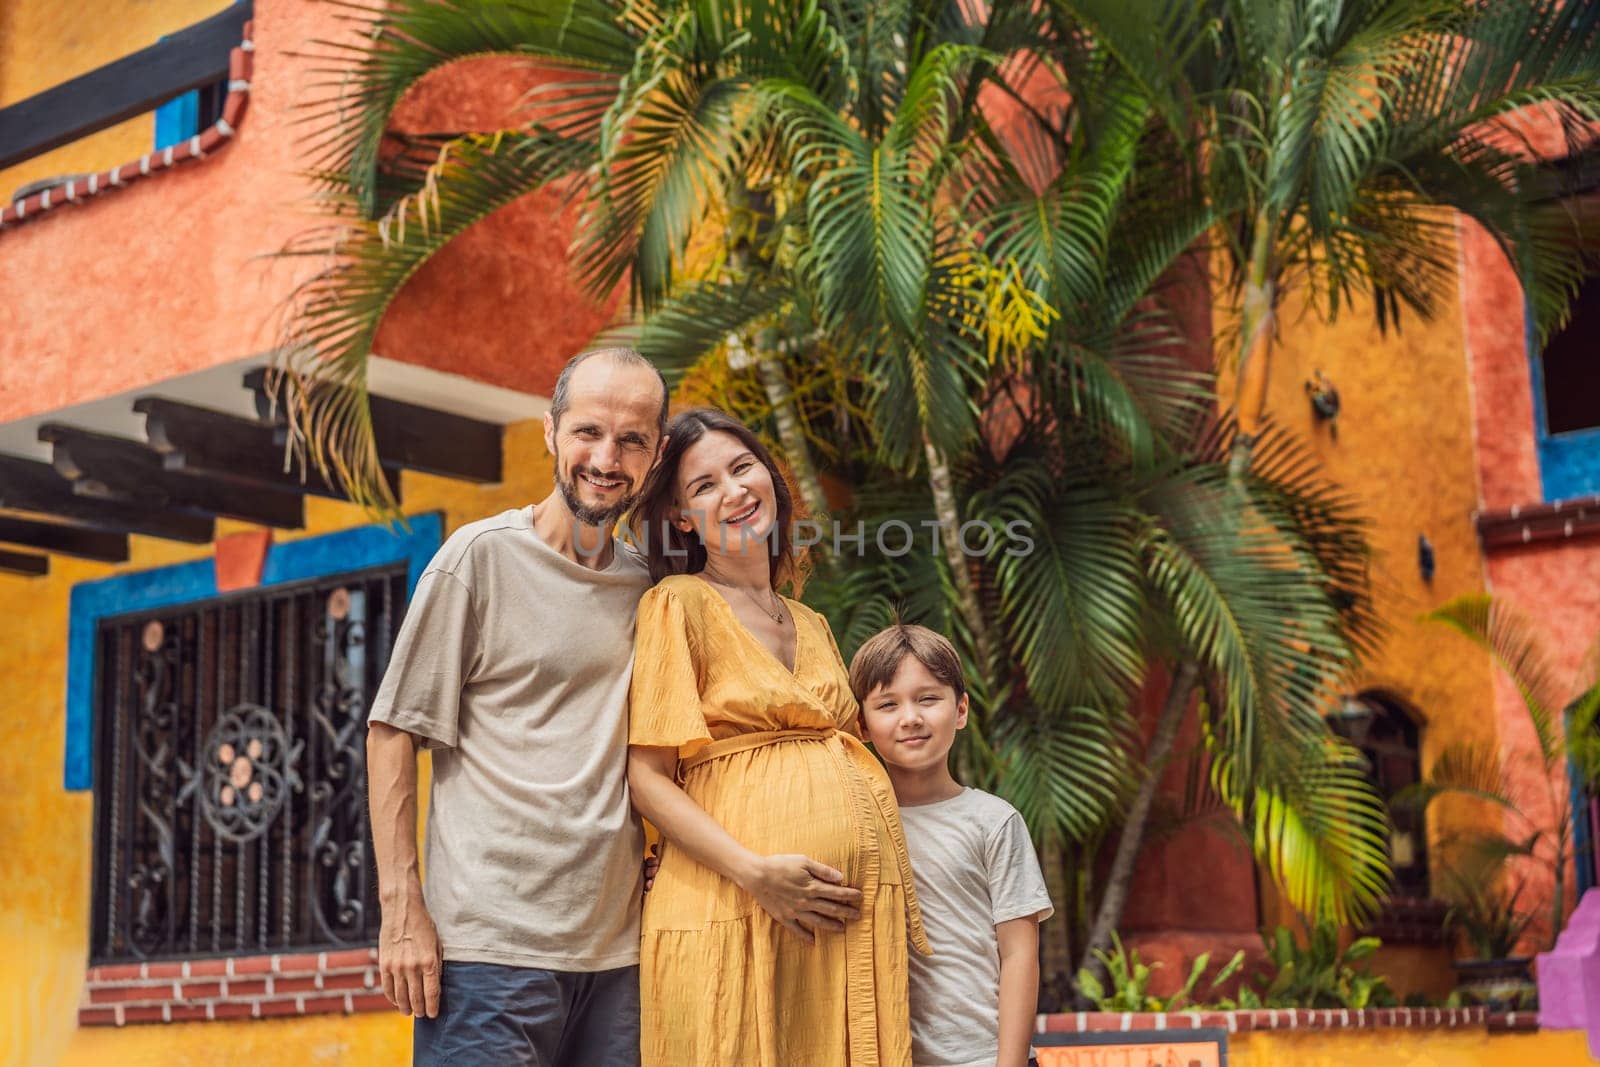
(1404, 451)
(46, 42)
(316, 1040)
(46, 832)
(1409, 1048)
(1352, 1048)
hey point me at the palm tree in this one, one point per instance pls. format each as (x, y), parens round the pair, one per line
(864, 203)
(1330, 146)
(1340, 139)
(779, 120)
(1137, 571)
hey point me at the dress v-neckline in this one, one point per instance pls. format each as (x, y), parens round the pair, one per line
(792, 672)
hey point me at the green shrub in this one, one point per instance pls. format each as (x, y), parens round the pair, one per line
(1317, 975)
(1129, 981)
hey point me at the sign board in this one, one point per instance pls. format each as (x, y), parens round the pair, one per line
(1138, 1048)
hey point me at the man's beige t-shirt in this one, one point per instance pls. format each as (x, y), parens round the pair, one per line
(513, 664)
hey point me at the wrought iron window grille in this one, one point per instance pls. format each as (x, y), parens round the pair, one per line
(230, 807)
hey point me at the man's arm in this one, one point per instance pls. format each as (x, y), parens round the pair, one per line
(1019, 988)
(408, 944)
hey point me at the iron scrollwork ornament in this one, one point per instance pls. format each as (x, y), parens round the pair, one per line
(246, 772)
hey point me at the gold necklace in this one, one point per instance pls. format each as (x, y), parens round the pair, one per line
(775, 616)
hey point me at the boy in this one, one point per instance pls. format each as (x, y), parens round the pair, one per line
(977, 877)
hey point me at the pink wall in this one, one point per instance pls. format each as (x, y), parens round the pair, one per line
(1495, 334)
(167, 276)
(1557, 583)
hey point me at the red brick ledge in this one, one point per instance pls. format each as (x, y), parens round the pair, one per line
(240, 67)
(1284, 1019)
(1529, 523)
(1514, 1022)
(242, 987)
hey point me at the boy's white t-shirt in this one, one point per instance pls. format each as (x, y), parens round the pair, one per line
(974, 867)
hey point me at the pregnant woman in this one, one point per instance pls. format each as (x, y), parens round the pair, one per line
(776, 931)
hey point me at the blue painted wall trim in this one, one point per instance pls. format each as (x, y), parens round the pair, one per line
(1569, 463)
(312, 557)
(1582, 847)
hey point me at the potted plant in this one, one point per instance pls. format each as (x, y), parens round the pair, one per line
(1491, 922)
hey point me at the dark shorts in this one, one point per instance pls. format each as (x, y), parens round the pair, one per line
(491, 1015)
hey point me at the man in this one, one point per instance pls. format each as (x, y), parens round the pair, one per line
(513, 667)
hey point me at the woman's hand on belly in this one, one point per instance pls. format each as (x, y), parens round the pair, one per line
(803, 895)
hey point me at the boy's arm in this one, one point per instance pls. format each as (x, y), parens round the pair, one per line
(1019, 988)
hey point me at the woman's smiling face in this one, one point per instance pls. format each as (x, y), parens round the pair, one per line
(725, 495)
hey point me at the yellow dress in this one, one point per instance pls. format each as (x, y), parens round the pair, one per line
(773, 756)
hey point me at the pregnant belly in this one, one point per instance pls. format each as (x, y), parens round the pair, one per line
(779, 799)
(791, 797)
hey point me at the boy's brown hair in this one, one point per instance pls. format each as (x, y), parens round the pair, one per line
(876, 661)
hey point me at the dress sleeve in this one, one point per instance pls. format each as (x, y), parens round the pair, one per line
(664, 696)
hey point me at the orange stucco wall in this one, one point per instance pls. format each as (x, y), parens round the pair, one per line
(1402, 1048)
(173, 274)
(1404, 452)
(46, 863)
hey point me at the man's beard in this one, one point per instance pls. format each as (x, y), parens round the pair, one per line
(603, 518)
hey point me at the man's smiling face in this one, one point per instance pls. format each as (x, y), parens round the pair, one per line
(607, 439)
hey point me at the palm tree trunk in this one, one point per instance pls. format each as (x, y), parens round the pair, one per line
(1055, 938)
(949, 516)
(1258, 316)
(775, 383)
(1120, 878)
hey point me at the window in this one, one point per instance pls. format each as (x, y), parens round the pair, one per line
(181, 118)
(1389, 743)
(230, 758)
(1571, 369)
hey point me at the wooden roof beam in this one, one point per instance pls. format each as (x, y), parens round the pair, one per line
(198, 440)
(102, 545)
(28, 485)
(24, 563)
(417, 438)
(116, 468)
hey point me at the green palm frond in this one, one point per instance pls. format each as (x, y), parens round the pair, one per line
(333, 316)
(1583, 728)
(1322, 831)
(879, 588)
(1073, 606)
(871, 235)
(1513, 643)
(697, 318)
(1068, 773)
(1153, 43)
(1288, 483)
(392, 46)
(1235, 587)
(1463, 768)
(668, 145)
(1133, 391)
